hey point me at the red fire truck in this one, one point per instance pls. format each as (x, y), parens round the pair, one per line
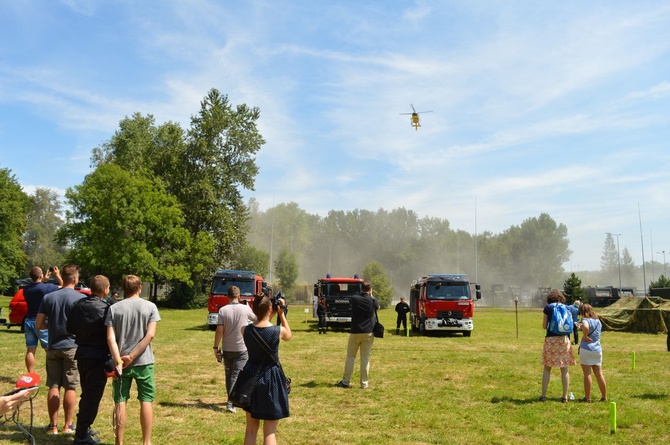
(443, 303)
(337, 291)
(249, 283)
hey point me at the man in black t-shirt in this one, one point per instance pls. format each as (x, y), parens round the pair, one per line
(363, 317)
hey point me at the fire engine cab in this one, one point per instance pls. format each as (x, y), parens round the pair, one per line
(443, 303)
(249, 283)
(337, 291)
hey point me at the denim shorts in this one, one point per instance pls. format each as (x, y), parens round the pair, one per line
(33, 335)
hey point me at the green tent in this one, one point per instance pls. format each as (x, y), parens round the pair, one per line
(636, 314)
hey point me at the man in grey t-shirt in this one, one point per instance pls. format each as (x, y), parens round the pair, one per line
(232, 318)
(131, 326)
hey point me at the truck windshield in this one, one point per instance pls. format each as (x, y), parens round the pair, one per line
(334, 289)
(221, 286)
(448, 291)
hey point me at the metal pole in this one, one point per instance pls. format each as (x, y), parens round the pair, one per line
(516, 310)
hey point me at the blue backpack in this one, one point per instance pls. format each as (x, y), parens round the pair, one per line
(561, 320)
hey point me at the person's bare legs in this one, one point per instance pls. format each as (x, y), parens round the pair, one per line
(565, 380)
(69, 405)
(546, 374)
(598, 371)
(30, 358)
(120, 426)
(587, 381)
(53, 403)
(147, 421)
(251, 431)
(269, 430)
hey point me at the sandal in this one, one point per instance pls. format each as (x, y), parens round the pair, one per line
(543, 399)
(564, 400)
(603, 399)
(585, 400)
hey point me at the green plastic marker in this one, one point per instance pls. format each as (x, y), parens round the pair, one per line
(612, 417)
(633, 359)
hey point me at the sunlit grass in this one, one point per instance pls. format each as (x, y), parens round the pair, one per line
(423, 390)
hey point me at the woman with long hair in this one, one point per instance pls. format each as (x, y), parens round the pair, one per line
(591, 352)
(269, 399)
(557, 350)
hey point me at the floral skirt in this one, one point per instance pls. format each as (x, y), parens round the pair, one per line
(557, 352)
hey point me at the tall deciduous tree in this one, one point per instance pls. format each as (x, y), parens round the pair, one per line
(251, 258)
(627, 268)
(44, 221)
(374, 273)
(14, 207)
(122, 222)
(286, 268)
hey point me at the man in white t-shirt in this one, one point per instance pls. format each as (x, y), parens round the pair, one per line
(232, 318)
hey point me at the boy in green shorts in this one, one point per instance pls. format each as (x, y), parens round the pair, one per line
(131, 326)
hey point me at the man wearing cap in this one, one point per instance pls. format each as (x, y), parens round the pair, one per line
(231, 319)
(86, 321)
(61, 365)
(402, 309)
(33, 294)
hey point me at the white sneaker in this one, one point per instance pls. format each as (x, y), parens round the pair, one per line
(230, 408)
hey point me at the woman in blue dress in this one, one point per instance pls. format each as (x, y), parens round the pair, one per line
(269, 399)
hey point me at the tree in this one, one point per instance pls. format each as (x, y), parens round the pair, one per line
(254, 259)
(122, 222)
(374, 273)
(609, 260)
(627, 267)
(662, 282)
(286, 268)
(44, 221)
(573, 290)
(14, 207)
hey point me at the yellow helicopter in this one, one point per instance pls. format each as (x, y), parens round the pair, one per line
(414, 122)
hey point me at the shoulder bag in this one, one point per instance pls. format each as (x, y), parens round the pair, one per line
(378, 329)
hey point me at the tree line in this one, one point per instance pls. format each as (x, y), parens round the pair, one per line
(165, 203)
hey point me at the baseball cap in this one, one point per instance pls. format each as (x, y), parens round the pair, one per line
(28, 380)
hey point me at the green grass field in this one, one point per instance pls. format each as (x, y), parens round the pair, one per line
(423, 390)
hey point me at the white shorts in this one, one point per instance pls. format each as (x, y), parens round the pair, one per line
(590, 358)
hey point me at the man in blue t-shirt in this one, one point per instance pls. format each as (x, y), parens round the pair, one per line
(33, 294)
(574, 310)
(62, 369)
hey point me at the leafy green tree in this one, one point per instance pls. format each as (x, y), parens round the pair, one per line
(286, 268)
(122, 222)
(662, 282)
(14, 207)
(573, 290)
(251, 258)
(374, 273)
(44, 221)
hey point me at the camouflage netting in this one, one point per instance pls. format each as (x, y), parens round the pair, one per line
(635, 314)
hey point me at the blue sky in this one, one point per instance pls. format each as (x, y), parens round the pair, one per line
(556, 107)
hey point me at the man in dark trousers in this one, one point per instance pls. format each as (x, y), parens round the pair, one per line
(86, 321)
(402, 309)
(363, 317)
(33, 294)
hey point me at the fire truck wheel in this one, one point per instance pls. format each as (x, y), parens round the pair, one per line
(467, 333)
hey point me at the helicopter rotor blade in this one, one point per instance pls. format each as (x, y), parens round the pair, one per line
(419, 112)
(412, 105)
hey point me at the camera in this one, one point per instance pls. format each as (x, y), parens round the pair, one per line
(110, 368)
(51, 269)
(276, 303)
